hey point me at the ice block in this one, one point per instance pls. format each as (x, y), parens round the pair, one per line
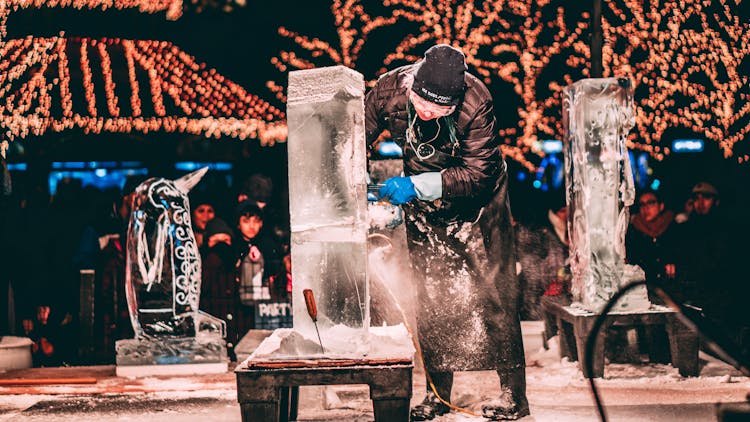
(328, 198)
(598, 113)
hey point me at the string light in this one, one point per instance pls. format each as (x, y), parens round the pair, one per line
(88, 85)
(173, 8)
(499, 38)
(187, 96)
(515, 41)
(688, 56)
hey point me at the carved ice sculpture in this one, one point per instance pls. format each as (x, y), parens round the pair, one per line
(162, 281)
(598, 113)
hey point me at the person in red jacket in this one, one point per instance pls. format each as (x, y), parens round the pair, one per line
(458, 224)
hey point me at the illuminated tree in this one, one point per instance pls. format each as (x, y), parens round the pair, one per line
(689, 62)
(224, 5)
(688, 59)
(504, 41)
(353, 27)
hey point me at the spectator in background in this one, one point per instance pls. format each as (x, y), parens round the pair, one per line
(705, 238)
(710, 264)
(542, 253)
(281, 283)
(46, 333)
(257, 188)
(257, 259)
(5, 217)
(687, 210)
(706, 258)
(203, 212)
(649, 240)
(219, 293)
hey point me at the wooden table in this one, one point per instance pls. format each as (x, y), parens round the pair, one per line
(574, 325)
(268, 390)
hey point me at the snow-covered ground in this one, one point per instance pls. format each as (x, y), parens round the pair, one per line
(556, 389)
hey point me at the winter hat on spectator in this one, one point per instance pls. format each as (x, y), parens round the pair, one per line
(200, 198)
(216, 226)
(705, 188)
(440, 75)
(258, 187)
(248, 208)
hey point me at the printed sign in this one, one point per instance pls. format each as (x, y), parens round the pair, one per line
(273, 315)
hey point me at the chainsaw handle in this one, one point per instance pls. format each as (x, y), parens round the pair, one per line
(312, 310)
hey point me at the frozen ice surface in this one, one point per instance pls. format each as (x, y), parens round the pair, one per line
(384, 215)
(598, 114)
(339, 342)
(327, 197)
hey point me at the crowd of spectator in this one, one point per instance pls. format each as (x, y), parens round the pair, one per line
(695, 256)
(694, 253)
(243, 240)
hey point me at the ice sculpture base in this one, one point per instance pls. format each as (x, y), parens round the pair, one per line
(339, 342)
(170, 355)
(635, 300)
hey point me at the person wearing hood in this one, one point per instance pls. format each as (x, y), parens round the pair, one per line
(458, 223)
(203, 212)
(219, 290)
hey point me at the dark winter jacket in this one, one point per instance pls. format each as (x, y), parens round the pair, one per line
(649, 252)
(472, 167)
(219, 288)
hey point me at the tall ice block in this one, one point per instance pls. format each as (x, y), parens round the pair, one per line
(328, 197)
(598, 113)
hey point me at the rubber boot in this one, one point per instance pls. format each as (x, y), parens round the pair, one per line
(512, 404)
(431, 406)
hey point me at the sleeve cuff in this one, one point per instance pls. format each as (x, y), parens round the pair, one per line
(429, 186)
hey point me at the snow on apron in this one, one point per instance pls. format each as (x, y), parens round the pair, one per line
(464, 266)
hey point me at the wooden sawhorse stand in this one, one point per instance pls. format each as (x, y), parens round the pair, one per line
(268, 391)
(575, 324)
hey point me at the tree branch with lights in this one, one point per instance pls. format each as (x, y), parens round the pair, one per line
(686, 59)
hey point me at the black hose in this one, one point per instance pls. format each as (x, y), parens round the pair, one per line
(690, 316)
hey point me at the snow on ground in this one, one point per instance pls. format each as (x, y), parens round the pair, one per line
(556, 389)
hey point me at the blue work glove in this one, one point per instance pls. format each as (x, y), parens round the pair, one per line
(398, 190)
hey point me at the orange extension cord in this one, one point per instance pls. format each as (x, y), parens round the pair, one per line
(413, 338)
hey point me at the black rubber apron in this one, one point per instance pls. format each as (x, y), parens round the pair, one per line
(464, 266)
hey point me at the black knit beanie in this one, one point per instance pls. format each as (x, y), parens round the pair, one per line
(216, 226)
(440, 75)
